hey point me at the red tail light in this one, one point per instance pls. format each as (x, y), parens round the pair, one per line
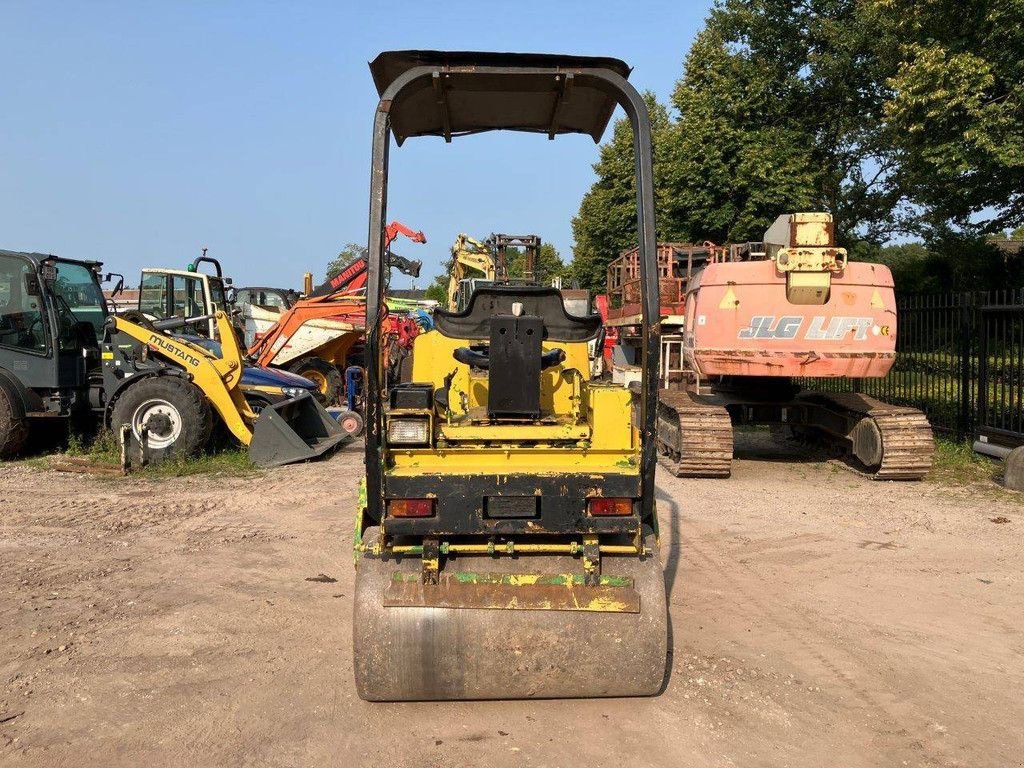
(602, 507)
(410, 507)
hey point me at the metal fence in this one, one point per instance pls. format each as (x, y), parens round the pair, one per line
(960, 359)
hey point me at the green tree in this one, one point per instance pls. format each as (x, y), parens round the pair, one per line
(549, 263)
(954, 112)
(606, 221)
(899, 117)
(910, 263)
(738, 161)
(438, 291)
(351, 252)
(779, 110)
(948, 260)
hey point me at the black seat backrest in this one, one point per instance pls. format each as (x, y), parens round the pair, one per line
(538, 301)
(513, 374)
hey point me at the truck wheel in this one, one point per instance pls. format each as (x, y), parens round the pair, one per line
(13, 426)
(257, 404)
(326, 376)
(176, 412)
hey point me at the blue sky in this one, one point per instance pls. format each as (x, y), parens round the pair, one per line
(137, 132)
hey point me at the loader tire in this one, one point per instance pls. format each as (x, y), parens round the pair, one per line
(328, 379)
(178, 415)
(13, 425)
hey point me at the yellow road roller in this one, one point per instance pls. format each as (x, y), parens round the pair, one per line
(506, 540)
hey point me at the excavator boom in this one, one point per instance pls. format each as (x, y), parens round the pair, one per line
(314, 336)
(468, 253)
(353, 277)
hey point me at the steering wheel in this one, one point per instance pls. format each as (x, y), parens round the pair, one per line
(478, 356)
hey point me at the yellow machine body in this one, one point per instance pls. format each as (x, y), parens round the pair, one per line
(293, 430)
(585, 425)
(506, 542)
(217, 377)
(468, 254)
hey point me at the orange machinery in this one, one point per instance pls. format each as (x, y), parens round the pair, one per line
(759, 316)
(620, 309)
(797, 311)
(315, 336)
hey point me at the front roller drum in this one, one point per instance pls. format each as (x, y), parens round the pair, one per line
(431, 653)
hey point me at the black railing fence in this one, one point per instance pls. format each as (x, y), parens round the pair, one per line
(960, 359)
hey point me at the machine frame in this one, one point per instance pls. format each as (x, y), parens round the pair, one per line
(560, 69)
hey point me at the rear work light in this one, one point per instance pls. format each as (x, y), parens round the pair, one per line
(409, 431)
(410, 507)
(599, 506)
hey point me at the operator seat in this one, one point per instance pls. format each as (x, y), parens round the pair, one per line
(514, 320)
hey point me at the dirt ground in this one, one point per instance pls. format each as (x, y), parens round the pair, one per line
(818, 618)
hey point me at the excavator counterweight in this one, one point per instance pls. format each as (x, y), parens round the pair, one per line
(760, 317)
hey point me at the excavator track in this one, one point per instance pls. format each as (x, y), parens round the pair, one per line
(694, 437)
(892, 442)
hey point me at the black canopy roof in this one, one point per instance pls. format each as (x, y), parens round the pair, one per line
(474, 322)
(538, 92)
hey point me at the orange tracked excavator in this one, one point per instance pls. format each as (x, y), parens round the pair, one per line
(315, 336)
(760, 316)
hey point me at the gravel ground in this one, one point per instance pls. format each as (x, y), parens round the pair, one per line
(818, 618)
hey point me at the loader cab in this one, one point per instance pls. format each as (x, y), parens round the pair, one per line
(51, 317)
(168, 293)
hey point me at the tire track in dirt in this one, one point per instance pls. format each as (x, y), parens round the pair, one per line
(801, 628)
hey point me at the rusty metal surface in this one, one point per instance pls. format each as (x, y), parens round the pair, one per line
(429, 653)
(524, 592)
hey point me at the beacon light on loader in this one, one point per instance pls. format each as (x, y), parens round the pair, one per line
(411, 507)
(409, 431)
(600, 506)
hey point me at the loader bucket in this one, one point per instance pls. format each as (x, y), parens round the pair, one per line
(295, 430)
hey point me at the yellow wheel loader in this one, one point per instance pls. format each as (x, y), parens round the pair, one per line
(507, 539)
(167, 390)
(64, 357)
